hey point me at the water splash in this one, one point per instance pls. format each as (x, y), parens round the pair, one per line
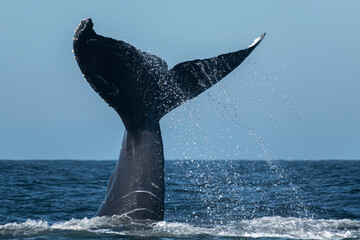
(110, 227)
(229, 108)
(232, 110)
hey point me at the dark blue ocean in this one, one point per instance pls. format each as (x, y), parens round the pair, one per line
(204, 200)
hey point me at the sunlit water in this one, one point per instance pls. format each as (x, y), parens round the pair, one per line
(204, 200)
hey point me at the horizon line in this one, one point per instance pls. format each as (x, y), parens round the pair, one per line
(68, 159)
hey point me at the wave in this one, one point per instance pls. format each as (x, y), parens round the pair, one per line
(108, 227)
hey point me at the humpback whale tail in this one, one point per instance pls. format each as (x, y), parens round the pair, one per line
(141, 89)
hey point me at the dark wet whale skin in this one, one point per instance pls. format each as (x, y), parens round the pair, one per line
(141, 89)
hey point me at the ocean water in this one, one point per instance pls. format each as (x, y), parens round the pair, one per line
(204, 200)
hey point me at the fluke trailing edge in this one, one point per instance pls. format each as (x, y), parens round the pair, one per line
(141, 89)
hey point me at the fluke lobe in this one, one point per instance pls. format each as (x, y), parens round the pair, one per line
(141, 89)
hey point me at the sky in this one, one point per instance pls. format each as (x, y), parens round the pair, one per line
(295, 97)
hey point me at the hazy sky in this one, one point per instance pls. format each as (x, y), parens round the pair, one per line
(295, 97)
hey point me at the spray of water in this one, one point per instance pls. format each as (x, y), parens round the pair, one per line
(228, 107)
(231, 108)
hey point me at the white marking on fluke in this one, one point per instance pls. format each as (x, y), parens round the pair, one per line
(141, 191)
(138, 209)
(255, 41)
(102, 79)
(155, 185)
(115, 92)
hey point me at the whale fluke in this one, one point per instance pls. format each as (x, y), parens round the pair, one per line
(141, 89)
(194, 77)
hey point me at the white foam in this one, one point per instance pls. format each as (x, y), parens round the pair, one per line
(266, 227)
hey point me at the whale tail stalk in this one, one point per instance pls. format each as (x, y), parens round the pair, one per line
(141, 89)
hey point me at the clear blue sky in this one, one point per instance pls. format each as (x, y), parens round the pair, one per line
(296, 97)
